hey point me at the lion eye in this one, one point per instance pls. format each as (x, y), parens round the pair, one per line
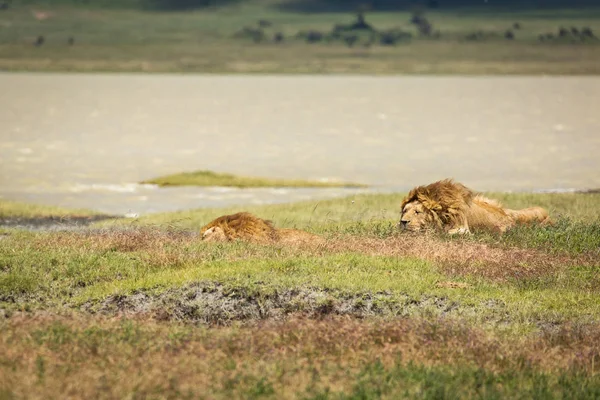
(417, 212)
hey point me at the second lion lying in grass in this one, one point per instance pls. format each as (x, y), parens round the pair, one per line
(453, 207)
(248, 227)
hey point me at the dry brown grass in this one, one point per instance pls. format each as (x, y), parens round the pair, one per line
(160, 247)
(460, 257)
(123, 240)
(226, 56)
(155, 247)
(83, 357)
(457, 257)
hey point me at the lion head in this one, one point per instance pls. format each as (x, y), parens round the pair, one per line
(214, 234)
(416, 217)
(435, 205)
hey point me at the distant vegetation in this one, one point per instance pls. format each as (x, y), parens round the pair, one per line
(174, 5)
(209, 178)
(511, 6)
(364, 34)
(162, 5)
(321, 5)
(269, 36)
(118, 4)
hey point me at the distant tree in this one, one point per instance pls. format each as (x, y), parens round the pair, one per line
(174, 5)
(39, 41)
(513, 6)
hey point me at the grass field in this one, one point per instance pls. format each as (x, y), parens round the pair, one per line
(15, 214)
(125, 40)
(144, 309)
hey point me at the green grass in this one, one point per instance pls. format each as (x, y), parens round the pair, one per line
(416, 381)
(315, 215)
(209, 178)
(202, 41)
(42, 271)
(565, 236)
(14, 209)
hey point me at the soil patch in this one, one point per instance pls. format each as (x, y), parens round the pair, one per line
(212, 303)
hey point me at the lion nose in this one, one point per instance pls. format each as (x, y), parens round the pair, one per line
(403, 224)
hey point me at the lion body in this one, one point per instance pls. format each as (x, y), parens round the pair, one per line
(239, 226)
(248, 227)
(453, 207)
(296, 236)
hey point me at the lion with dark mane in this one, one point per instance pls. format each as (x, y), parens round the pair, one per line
(248, 227)
(455, 208)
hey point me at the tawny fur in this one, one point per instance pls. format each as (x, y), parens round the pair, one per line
(455, 208)
(248, 227)
(297, 236)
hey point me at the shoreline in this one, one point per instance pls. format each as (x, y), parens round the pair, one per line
(77, 222)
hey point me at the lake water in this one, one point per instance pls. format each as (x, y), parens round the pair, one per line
(85, 140)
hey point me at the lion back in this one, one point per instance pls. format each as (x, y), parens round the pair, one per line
(297, 236)
(488, 214)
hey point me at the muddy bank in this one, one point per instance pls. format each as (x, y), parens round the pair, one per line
(215, 304)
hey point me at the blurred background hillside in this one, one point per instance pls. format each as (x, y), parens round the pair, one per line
(305, 36)
(319, 5)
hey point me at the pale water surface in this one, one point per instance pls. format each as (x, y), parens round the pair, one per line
(82, 140)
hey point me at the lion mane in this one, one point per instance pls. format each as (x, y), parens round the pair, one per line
(248, 227)
(453, 207)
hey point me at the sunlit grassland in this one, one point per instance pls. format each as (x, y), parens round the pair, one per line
(146, 309)
(51, 270)
(535, 272)
(202, 41)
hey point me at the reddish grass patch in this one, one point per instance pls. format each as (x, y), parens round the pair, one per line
(461, 258)
(78, 356)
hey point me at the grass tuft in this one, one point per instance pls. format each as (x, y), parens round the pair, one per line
(565, 236)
